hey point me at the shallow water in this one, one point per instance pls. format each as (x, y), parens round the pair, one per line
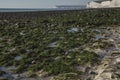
(98, 36)
(53, 44)
(8, 74)
(18, 58)
(36, 9)
(73, 30)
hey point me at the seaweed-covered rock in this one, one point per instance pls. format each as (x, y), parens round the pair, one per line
(2, 73)
(109, 68)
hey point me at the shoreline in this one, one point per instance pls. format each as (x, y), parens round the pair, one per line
(59, 44)
(32, 14)
(54, 10)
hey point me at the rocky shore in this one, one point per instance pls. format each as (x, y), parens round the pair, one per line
(109, 66)
(65, 45)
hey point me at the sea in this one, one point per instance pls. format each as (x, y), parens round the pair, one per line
(35, 10)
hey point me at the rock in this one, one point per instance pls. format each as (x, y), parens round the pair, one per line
(111, 40)
(118, 46)
(42, 73)
(115, 53)
(66, 76)
(118, 60)
(53, 44)
(82, 68)
(30, 74)
(95, 44)
(104, 76)
(2, 73)
(33, 62)
(109, 68)
(87, 49)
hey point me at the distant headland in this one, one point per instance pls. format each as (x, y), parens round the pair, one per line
(104, 4)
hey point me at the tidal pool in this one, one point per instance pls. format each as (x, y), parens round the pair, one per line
(17, 58)
(8, 73)
(73, 30)
(53, 44)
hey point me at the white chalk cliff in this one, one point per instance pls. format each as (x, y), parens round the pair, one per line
(104, 4)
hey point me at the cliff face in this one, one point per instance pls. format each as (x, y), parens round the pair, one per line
(104, 4)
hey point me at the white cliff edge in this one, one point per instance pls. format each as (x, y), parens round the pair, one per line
(103, 4)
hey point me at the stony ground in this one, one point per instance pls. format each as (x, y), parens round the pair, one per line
(109, 67)
(78, 45)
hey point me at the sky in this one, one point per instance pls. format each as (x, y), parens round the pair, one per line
(39, 3)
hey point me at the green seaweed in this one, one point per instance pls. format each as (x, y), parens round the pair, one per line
(30, 38)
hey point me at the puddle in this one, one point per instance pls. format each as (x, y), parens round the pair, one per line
(73, 30)
(17, 58)
(53, 44)
(82, 30)
(111, 49)
(11, 76)
(7, 69)
(97, 30)
(71, 50)
(21, 33)
(98, 36)
(8, 74)
(101, 53)
(101, 56)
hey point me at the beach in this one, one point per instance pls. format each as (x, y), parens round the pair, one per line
(60, 45)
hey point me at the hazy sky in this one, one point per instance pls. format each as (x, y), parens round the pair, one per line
(39, 3)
